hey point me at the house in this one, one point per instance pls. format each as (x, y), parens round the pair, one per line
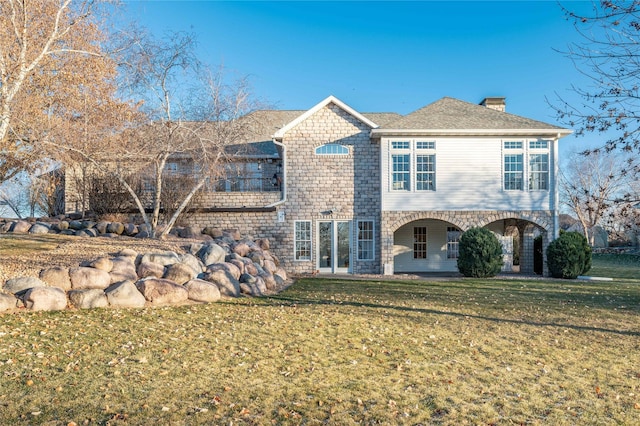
(371, 193)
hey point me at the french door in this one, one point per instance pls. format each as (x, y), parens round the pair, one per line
(334, 246)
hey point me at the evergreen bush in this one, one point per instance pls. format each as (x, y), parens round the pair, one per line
(480, 253)
(569, 256)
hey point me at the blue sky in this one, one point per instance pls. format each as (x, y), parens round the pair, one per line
(385, 56)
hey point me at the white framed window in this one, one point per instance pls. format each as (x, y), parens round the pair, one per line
(420, 242)
(413, 161)
(538, 172)
(332, 149)
(453, 242)
(401, 172)
(539, 144)
(425, 145)
(366, 240)
(513, 172)
(425, 172)
(302, 240)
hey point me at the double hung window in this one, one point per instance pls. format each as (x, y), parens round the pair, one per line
(413, 161)
(365, 240)
(420, 242)
(526, 166)
(302, 242)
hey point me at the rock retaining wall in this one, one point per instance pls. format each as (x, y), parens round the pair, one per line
(226, 265)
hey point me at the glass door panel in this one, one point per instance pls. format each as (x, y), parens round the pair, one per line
(325, 246)
(334, 246)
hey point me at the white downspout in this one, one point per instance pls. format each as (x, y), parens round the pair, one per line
(556, 191)
(283, 198)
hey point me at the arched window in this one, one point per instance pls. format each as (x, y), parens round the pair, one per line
(332, 149)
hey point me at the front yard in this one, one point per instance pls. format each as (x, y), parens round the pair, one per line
(496, 351)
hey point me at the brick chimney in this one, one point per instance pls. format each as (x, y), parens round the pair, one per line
(499, 104)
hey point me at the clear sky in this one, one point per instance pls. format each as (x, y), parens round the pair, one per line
(385, 56)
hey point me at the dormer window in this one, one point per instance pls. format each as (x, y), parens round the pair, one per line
(332, 149)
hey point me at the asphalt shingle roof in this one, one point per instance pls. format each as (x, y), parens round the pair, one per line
(454, 114)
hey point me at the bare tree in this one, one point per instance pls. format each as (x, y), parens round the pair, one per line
(609, 55)
(48, 48)
(193, 119)
(596, 187)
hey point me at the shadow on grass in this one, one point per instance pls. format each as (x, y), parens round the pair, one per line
(558, 298)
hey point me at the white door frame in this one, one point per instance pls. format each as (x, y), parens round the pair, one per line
(331, 257)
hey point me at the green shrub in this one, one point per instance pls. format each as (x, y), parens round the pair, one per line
(569, 255)
(480, 253)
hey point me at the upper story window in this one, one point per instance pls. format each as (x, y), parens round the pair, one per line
(530, 161)
(413, 161)
(332, 149)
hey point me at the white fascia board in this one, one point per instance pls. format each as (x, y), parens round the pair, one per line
(559, 133)
(331, 99)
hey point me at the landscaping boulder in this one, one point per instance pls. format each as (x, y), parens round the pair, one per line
(21, 227)
(179, 273)
(8, 301)
(84, 278)
(101, 227)
(76, 225)
(39, 228)
(211, 253)
(128, 253)
(226, 266)
(281, 273)
(45, 299)
(212, 232)
(56, 276)
(193, 261)
(103, 263)
(150, 269)
(124, 269)
(130, 229)
(115, 228)
(16, 285)
(124, 295)
(88, 299)
(241, 249)
(163, 258)
(202, 291)
(263, 243)
(270, 266)
(63, 225)
(162, 291)
(269, 281)
(228, 285)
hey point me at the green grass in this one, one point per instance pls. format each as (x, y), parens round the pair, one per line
(465, 351)
(616, 265)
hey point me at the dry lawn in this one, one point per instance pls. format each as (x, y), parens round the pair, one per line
(496, 351)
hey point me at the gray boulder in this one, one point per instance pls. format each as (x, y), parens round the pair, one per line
(45, 299)
(281, 273)
(88, 299)
(128, 253)
(193, 261)
(124, 269)
(163, 258)
(179, 273)
(115, 228)
(270, 266)
(16, 285)
(160, 291)
(21, 227)
(269, 281)
(76, 225)
(211, 253)
(202, 291)
(39, 228)
(212, 232)
(56, 277)
(150, 269)
(228, 285)
(85, 278)
(101, 227)
(124, 295)
(226, 266)
(63, 225)
(130, 229)
(241, 249)
(8, 301)
(263, 243)
(103, 263)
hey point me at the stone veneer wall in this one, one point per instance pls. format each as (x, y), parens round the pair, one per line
(238, 199)
(346, 184)
(527, 220)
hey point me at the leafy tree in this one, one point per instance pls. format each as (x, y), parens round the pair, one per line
(569, 255)
(480, 253)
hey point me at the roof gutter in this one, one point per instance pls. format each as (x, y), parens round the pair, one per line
(283, 197)
(377, 133)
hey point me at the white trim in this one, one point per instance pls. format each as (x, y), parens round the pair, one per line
(373, 240)
(331, 99)
(295, 241)
(378, 132)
